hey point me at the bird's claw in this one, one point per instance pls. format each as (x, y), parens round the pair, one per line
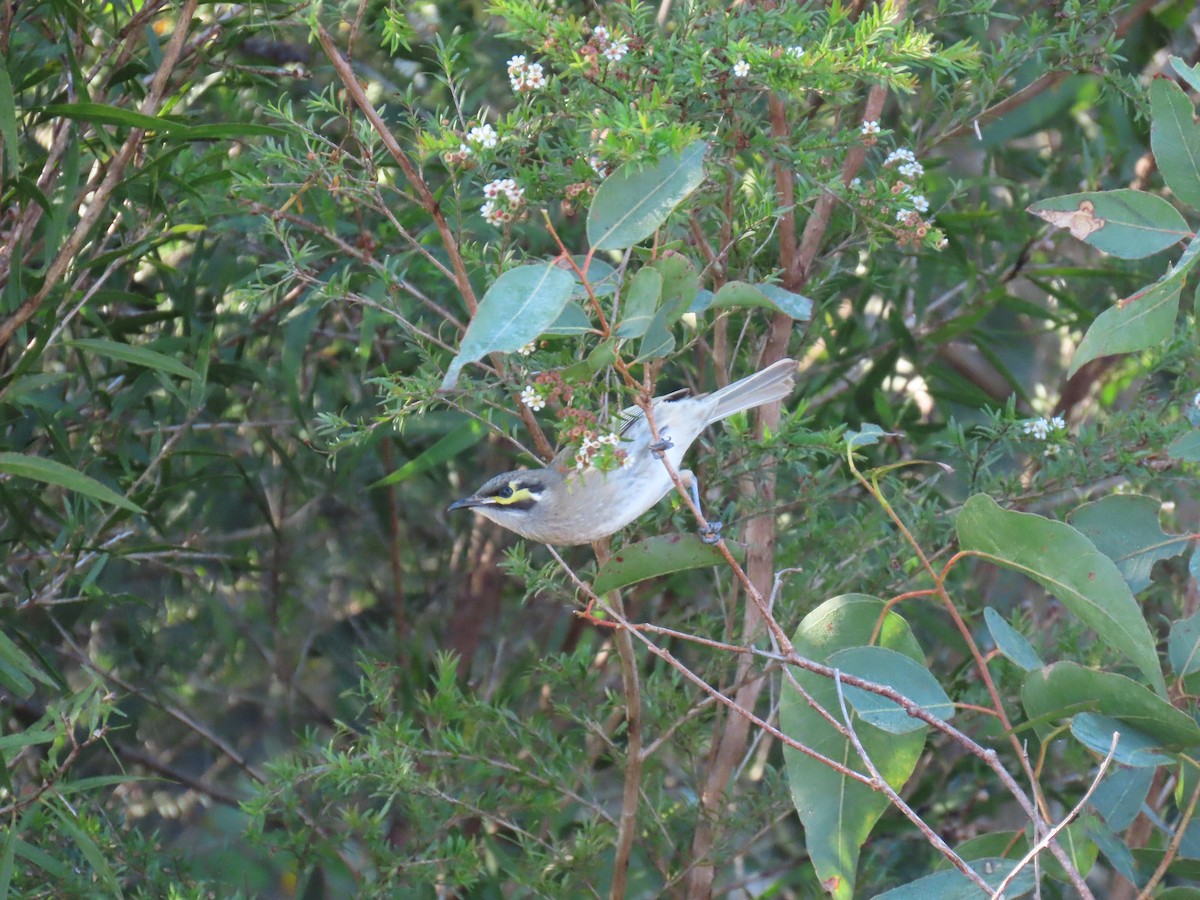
(661, 446)
(712, 533)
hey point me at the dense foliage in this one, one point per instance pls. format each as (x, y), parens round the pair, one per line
(280, 282)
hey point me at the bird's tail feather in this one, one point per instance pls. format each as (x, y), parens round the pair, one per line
(774, 382)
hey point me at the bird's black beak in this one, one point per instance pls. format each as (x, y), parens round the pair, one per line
(465, 503)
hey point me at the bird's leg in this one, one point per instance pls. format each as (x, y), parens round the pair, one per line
(661, 446)
(711, 533)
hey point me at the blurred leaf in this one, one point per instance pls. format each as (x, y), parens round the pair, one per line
(1175, 139)
(572, 320)
(520, 305)
(9, 146)
(1183, 647)
(658, 341)
(1135, 323)
(790, 304)
(1186, 447)
(645, 292)
(634, 201)
(50, 471)
(838, 812)
(681, 283)
(466, 435)
(1125, 223)
(138, 356)
(1126, 529)
(1010, 642)
(1119, 797)
(1064, 689)
(1190, 74)
(1134, 748)
(737, 294)
(897, 671)
(1070, 567)
(952, 884)
(656, 556)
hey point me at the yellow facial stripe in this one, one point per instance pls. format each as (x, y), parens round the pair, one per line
(515, 496)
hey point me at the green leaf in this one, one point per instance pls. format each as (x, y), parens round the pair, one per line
(49, 471)
(1134, 748)
(1190, 74)
(898, 672)
(1065, 689)
(88, 849)
(1010, 642)
(658, 341)
(17, 670)
(656, 556)
(767, 296)
(634, 201)
(520, 305)
(681, 282)
(645, 292)
(9, 146)
(869, 435)
(1186, 447)
(1126, 529)
(448, 447)
(1135, 323)
(838, 812)
(103, 114)
(1175, 139)
(1070, 567)
(951, 884)
(1125, 223)
(572, 320)
(138, 356)
(1183, 647)
(1119, 797)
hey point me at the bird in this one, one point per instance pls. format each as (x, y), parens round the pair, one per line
(563, 505)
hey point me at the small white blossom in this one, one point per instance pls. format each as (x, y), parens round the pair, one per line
(1058, 423)
(795, 52)
(493, 215)
(597, 165)
(855, 183)
(902, 215)
(516, 64)
(527, 349)
(535, 77)
(741, 68)
(612, 438)
(464, 150)
(870, 126)
(912, 169)
(600, 35)
(589, 443)
(920, 204)
(616, 51)
(1039, 428)
(899, 156)
(484, 135)
(532, 398)
(583, 460)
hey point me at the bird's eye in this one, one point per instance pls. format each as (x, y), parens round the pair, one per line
(505, 492)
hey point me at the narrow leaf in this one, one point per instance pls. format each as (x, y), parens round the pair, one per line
(1070, 567)
(634, 201)
(520, 305)
(49, 471)
(1175, 139)
(1010, 642)
(448, 447)
(1064, 689)
(10, 150)
(138, 356)
(657, 556)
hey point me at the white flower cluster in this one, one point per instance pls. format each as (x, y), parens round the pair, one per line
(869, 127)
(525, 76)
(909, 167)
(593, 445)
(504, 198)
(1040, 428)
(741, 69)
(527, 349)
(533, 398)
(612, 49)
(483, 135)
